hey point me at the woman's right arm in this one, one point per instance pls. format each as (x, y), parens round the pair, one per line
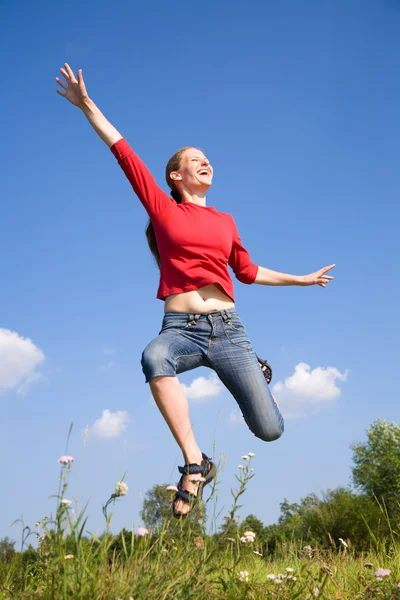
(152, 197)
(75, 92)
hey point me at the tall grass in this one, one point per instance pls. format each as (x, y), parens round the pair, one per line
(73, 563)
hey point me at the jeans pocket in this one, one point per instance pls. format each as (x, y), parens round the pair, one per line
(237, 334)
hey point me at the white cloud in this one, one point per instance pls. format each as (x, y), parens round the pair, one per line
(108, 351)
(201, 389)
(308, 389)
(110, 425)
(236, 418)
(19, 359)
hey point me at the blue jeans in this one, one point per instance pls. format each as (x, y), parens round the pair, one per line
(217, 340)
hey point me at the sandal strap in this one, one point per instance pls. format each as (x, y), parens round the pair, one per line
(192, 469)
(185, 496)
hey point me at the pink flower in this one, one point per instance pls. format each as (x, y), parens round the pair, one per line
(142, 531)
(380, 573)
(65, 460)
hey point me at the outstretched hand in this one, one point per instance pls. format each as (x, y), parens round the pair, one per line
(319, 277)
(75, 89)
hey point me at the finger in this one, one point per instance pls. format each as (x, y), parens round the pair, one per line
(61, 93)
(70, 72)
(64, 74)
(322, 285)
(325, 269)
(63, 85)
(80, 77)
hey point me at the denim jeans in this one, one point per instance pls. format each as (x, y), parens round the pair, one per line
(217, 340)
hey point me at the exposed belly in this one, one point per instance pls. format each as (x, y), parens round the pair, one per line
(205, 299)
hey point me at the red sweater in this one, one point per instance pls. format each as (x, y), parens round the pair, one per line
(196, 243)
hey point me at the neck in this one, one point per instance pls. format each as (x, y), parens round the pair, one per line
(194, 197)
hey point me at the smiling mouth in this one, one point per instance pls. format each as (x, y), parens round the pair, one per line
(204, 172)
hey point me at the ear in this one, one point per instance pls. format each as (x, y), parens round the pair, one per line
(175, 176)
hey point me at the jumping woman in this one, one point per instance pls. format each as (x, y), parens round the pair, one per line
(193, 245)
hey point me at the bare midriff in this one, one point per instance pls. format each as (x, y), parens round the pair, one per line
(204, 300)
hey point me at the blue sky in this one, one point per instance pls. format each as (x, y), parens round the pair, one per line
(296, 105)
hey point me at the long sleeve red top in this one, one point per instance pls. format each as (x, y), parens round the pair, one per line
(196, 243)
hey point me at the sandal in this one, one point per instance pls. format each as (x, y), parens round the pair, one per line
(266, 369)
(207, 470)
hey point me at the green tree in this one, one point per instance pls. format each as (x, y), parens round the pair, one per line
(157, 513)
(7, 550)
(376, 468)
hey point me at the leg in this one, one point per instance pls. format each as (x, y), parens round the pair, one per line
(237, 366)
(166, 355)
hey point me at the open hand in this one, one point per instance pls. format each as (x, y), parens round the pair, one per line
(75, 90)
(319, 277)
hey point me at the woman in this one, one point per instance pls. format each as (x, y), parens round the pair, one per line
(193, 245)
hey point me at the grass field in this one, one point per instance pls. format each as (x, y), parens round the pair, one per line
(72, 563)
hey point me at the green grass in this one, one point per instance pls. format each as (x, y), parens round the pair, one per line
(72, 563)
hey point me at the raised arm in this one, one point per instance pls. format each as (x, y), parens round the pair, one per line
(75, 92)
(152, 197)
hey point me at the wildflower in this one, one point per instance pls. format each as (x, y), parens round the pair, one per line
(316, 592)
(307, 551)
(282, 575)
(289, 570)
(251, 454)
(368, 565)
(65, 460)
(271, 576)
(171, 488)
(249, 534)
(381, 573)
(240, 467)
(341, 540)
(243, 576)
(68, 556)
(42, 537)
(251, 470)
(292, 578)
(278, 581)
(121, 489)
(229, 539)
(142, 531)
(66, 502)
(258, 553)
(199, 542)
(245, 457)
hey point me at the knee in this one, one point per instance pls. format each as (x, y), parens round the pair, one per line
(155, 361)
(270, 432)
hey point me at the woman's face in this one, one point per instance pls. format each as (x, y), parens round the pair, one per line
(195, 171)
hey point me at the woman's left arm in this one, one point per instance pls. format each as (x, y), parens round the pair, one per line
(268, 277)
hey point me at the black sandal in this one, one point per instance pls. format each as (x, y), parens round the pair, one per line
(266, 369)
(207, 470)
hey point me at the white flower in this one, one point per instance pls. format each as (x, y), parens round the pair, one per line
(171, 488)
(121, 489)
(282, 575)
(341, 540)
(243, 540)
(245, 457)
(278, 580)
(240, 467)
(251, 470)
(229, 539)
(68, 556)
(289, 570)
(271, 576)
(66, 502)
(251, 454)
(249, 534)
(316, 592)
(243, 576)
(258, 553)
